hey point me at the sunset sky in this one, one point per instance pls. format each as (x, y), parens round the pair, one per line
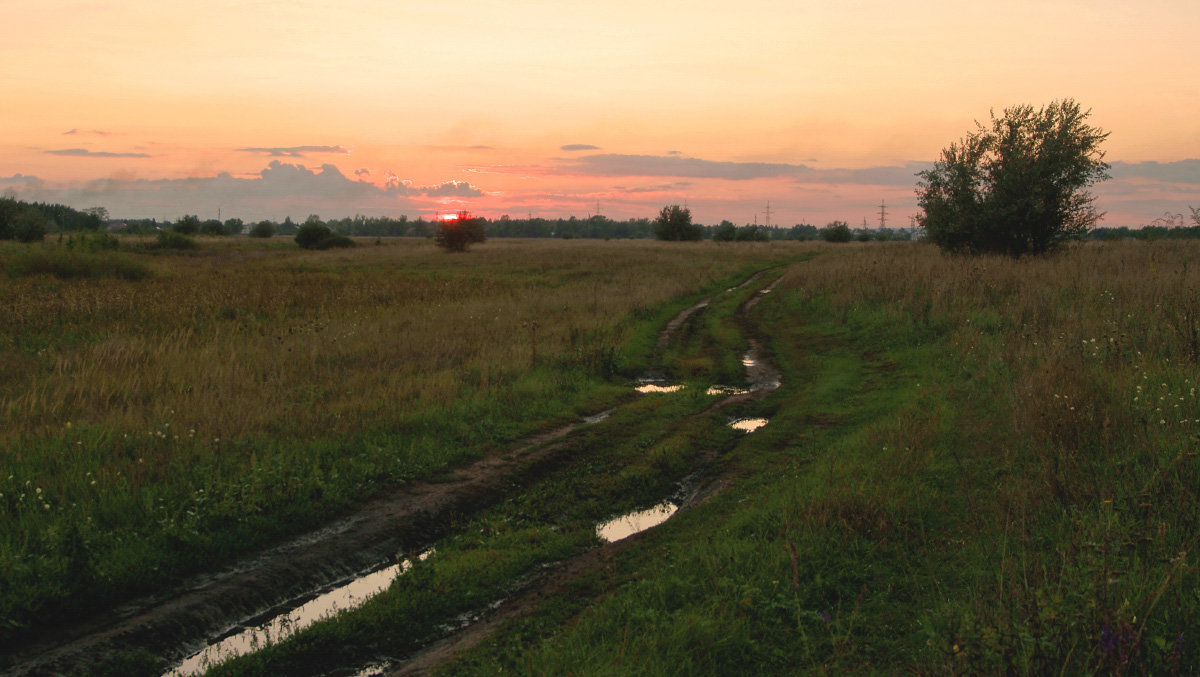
(273, 108)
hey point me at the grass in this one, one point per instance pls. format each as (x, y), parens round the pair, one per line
(974, 465)
(157, 426)
(956, 479)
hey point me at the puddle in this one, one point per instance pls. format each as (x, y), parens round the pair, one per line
(635, 522)
(748, 425)
(725, 390)
(344, 598)
(658, 388)
(596, 418)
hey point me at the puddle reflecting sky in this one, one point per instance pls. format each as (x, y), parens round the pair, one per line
(725, 390)
(658, 388)
(349, 596)
(635, 522)
(748, 424)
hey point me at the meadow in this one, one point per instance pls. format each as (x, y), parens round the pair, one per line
(165, 420)
(974, 464)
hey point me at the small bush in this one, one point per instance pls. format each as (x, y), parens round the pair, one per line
(316, 235)
(455, 235)
(188, 225)
(98, 242)
(262, 229)
(169, 239)
(837, 231)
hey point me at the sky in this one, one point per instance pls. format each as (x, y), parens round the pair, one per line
(822, 110)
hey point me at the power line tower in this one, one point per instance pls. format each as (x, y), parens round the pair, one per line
(882, 214)
(767, 214)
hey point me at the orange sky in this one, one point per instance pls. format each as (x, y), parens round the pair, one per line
(267, 108)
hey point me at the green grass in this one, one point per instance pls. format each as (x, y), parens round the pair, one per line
(973, 466)
(240, 394)
(899, 513)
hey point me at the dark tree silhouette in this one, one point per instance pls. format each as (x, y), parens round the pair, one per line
(1018, 186)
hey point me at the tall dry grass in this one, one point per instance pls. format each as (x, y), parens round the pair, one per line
(302, 343)
(242, 391)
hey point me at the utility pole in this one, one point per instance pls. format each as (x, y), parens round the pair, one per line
(882, 214)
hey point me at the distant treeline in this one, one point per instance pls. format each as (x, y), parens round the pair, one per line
(31, 221)
(1147, 233)
(596, 227)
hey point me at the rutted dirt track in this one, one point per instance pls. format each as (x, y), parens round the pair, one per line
(761, 376)
(400, 520)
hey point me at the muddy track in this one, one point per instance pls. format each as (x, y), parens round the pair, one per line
(172, 624)
(762, 377)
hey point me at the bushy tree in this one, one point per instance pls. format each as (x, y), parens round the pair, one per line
(726, 232)
(262, 229)
(675, 223)
(188, 225)
(316, 235)
(460, 232)
(837, 231)
(1018, 186)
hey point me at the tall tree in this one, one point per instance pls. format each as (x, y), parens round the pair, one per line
(1018, 186)
(675, 223)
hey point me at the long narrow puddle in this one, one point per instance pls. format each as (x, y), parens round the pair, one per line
(344, 598)
(646, 388)
(635, 522)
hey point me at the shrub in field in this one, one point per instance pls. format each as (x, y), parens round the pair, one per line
(310, 234)
(188, 225)
(837, 231)
(1018, 186)
(726, 232)
(675, 223)
(316, 235)
(170, 239)
(458, 233)
(262, 229)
